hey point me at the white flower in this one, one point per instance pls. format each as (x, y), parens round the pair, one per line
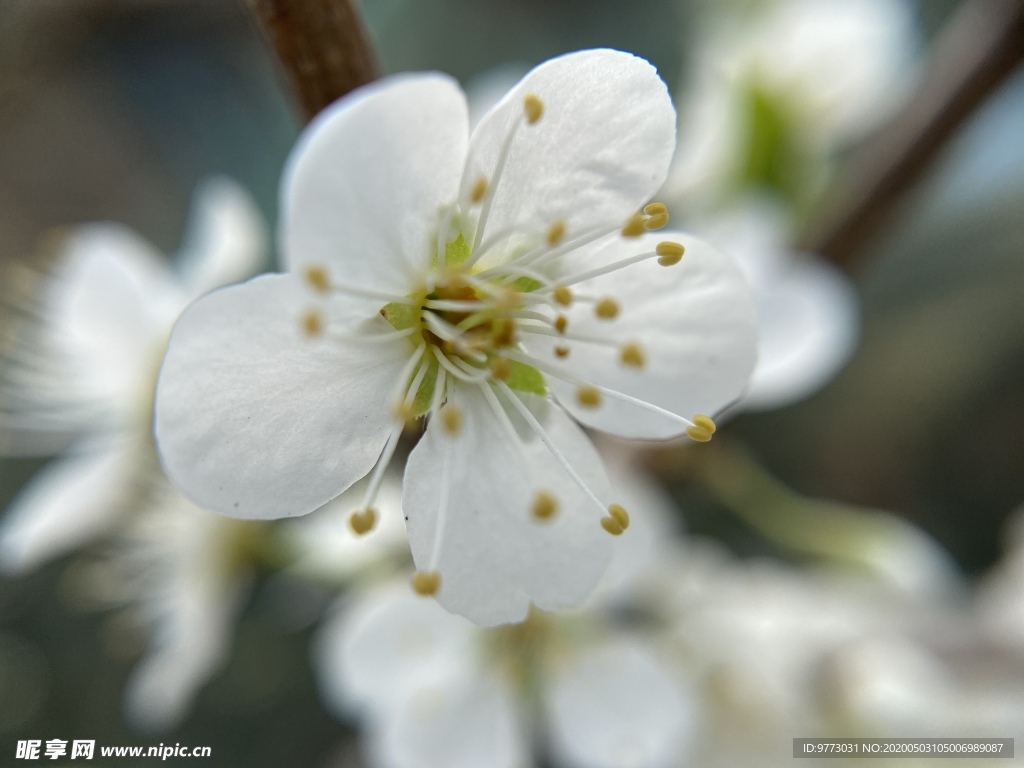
(86, 367)
(811, 74)
(434, 691)
(466, 279)
(808, 309)
(181, 572)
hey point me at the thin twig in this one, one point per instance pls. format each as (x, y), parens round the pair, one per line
(321, 45)
(980, 47)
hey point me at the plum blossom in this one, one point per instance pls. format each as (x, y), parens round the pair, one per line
(84, 367)
(84, 370)
(502, 285)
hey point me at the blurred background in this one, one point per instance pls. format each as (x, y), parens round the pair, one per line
(115, 110)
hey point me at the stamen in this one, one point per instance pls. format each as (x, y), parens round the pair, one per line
(533, 107)
(556, 232)
(619, 513)
(561, 352)
(703, 428)
(607, 308)
(588, 396)
(561, 323)
(363, 521)
(615, 266)
(545, 505)
(544, 438)
(479, 190)
(317, 278)
(634, 227)
(632, 356)
(611, 525)
(705, 422)
(652, 209)
(426, 583)
(657, 221)
(440, 381)
(451, 419)
(313, 323)
(442, 508)
(500, 368)
(562, 295)
(615, 395)
(456, 372)
(669, 252)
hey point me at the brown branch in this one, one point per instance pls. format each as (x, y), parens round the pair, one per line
(321, 45)
(980, 47)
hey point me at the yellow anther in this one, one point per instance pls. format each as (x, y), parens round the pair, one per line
(478, 191)
(545, 505)
(501, 368)
(508, 300)
(403, 411)
(652, 209)
(632, 355)
(533, 107)
(620, 515)
(611, 525)
(561, 351)
(588, 396)
(705, 422)
(700, 434)
(607, 308)
(451, 419)
(561, 323)
(634, 227)
(313, 323)
(657, 221)
(363, 521)
(504, 333)
(426, 583)
(317, 278)
(556, 232)
(669, 253)
(562, 295)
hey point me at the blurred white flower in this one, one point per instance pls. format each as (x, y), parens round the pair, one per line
(464, 278)
(775, 650)
(88, 364)
(808, 309)
(434, 691)
(181, 572)
(776, 90)
(1001, 593)
(795, 77)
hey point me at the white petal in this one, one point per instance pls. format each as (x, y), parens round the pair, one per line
(365, 184)
(111, 306)
(495, 558)
(696, 322)
(598, 153)
(616, 706)
(371, 656)
(71, 501)
(226, 240)
(255, 420)
(809, 330)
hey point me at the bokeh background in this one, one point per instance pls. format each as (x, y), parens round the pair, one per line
(115, 109)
